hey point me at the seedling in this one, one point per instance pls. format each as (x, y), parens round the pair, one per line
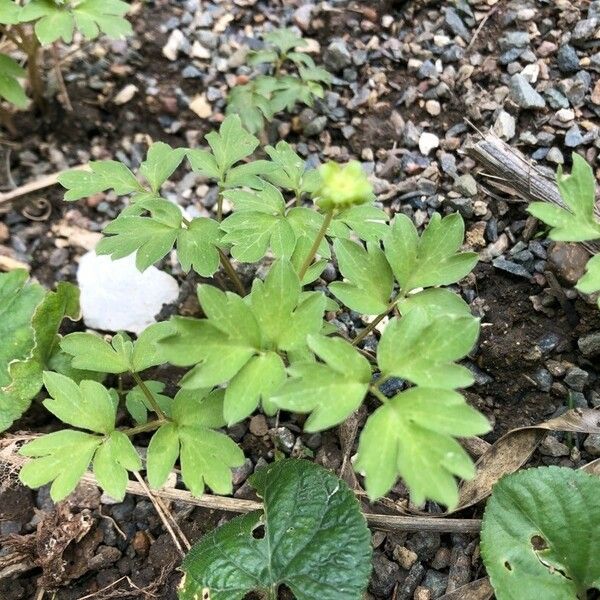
(266, 95)
(577, 221)
(271, 348)
(39, 23)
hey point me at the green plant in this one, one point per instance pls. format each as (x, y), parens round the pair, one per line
(577, 221)
(540, 535)
(38, 23)
(272, 348)
(311, 536)
(266, 95)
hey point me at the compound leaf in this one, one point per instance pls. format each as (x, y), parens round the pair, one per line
(198, 246)
(231, 144)
(412, 435)
(315, 541)
(138, 405)
(88, 405)
(61, 457)
(368, 278)
(576, 222)
(431, 260)
(539, 535)
(423, 349)
(160, 164)
(330, 392)
(365, 220)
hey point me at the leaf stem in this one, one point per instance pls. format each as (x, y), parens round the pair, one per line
(228, 267)
(149, 396)
(149, 426)
(369, 328)
(315, 247)
(220, 205)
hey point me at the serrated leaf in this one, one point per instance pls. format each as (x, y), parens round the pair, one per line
(138, 405)
(412, 435)
(198, 246)
(26, 374)
(55, 24)
(306, 319)
(261, 56)
(10, 73)
(331, 392)
(364, 220)
(160, 163)
(113, 458)
(423, 349)
(248, 174)
(315, 541)
(102, 16)
(231, 144)
(539, 536)
(93, 353)
(204, 162)
(250, 105)
(150, 238)
(284, 39)
(435, 302)
(291, 172)
(10, 12)
(258, 379)
(267, 199)
(292, 90)
(207, 456)
(61, 457)
(431, 260)
(87, 405)
(577, 222)
(368, 278)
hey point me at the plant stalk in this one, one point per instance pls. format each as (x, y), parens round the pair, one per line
(375, 391)
(31, 46)
(315, 247)
(220, 205)
(60, 79)
(233, 276)
(369, 328)
(149, 396)
(150, 426)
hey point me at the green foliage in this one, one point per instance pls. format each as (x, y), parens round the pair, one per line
(343, 186)
(54, 20)
(315, 541)
(576, 222)
(589, 283)
(540, 535)
(10, 87)
(266, 95)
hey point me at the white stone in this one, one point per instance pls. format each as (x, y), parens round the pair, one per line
(126, 94)
(565, 115)
(174, 44)
(199, 51)
(505, 126)
(427, 142)
(115, 296)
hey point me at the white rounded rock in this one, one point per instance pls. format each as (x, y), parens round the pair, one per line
(115, 296)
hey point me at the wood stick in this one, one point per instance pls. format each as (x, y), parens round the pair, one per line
(509, 168)
(237, 505)
(34, 186)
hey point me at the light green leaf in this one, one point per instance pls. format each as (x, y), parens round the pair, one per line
(102, 16)
(307, 319)
(160, 164)
(250, 104)
(138, 405)
(262, 56)
(364, 220)
(248, 174)
(577, 222)
(258, 379)
(87, 405)
(331, 392)
(431, 260)
(423, 349)
(112, 460)
(315, 541)
(10, 72)
(231, 144)
(10, 12)
(589, 283)
(55, 25)
(412, 435)
(284, 39)
(204, 162)
(368, 278)
(435, 302)
(93, 353)
(540, 538)
(267, 199)
(198, 246)
(163, 451)
(291, 173)
(61, 457)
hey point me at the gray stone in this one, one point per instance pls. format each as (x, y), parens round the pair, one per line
(567, 59)
(466, 185)
(592, 444)
(514, 39)
(584, 30)
(436, 582)
(550, 446)
(555, 156)
(336, 56)
(315, 126)
(463, 205)
(543, 379)
(427, 71)
(576, 378)
(573, 137)
(384, 576)
(590, 344)
(456, 24)
(556, 99)
(523, 93)
(302, 16)
(511, 267)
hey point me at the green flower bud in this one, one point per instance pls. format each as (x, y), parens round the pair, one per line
(343, 186)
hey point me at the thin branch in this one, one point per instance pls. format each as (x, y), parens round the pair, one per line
(233, 276)
(371, 326)
(149, 396)
(315, 247)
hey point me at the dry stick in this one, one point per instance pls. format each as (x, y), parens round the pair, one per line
(236, 505)
(60, 79)
(34, 186)
(482, 24)
(161, 514)
(518, 173)
(174, 522)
